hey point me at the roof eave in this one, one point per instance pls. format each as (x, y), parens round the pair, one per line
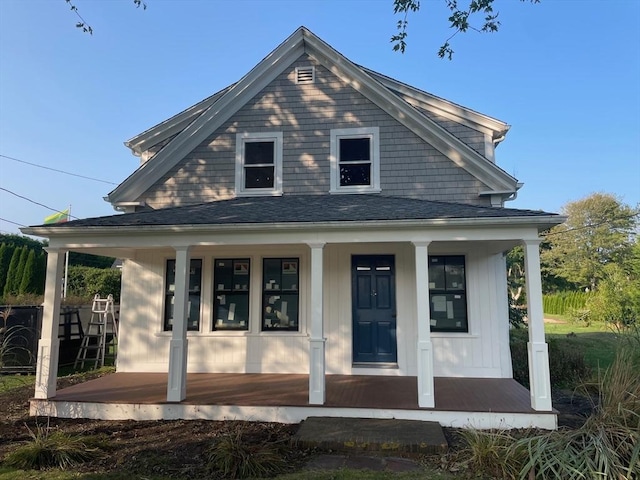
(542, 222)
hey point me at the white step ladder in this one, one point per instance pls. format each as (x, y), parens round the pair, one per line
(101, 335)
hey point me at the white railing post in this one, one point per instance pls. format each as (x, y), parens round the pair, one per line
(316, 340)
(178, 345)
(426, 395)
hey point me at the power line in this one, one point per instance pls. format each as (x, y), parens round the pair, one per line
(15, 223)
(56, 170)
(33, 201)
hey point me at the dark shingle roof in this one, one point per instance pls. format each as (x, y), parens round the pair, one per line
(304, 209)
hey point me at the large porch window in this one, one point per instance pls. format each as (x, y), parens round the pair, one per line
(195, 284)
(280, 287)
(447, 294)
(231, 294)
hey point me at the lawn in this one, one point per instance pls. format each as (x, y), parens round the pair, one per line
(596, 340)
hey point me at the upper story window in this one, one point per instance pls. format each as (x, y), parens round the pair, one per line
(355, 160)
(259, 163)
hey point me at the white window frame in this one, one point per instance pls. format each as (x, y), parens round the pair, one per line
(246, 137)
(373, 134)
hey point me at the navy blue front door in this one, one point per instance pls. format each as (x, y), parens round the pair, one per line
(374, 309)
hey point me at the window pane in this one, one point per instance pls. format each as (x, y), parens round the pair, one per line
(447, 299)
(258, 153)
(355, 149)
(280, 284)
(455, 273)
(436, 273)
(359, 174)
(258, 177)
(231, 292)
(193, 307)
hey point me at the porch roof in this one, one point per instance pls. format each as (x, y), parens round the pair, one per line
(307, 209)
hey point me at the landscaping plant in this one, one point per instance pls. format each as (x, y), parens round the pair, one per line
(54, 448)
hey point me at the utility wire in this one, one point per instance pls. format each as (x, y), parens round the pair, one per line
(15, 223)
(56, 170)
(33, 201)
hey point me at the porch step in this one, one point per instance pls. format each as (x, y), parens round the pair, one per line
(369, 434)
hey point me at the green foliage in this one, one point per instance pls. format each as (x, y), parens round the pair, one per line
(598, 232)
(567, 363)
(30, 279)
(617, 299)
(54, 448)
(85, 282)
(460, 20)
(563, 303)
(14, 277)
(237, 455)
(22, 241)
(88, 260)
(6, 252)
(490, 453)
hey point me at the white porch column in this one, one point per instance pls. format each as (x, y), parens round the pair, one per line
(316, 340)
(177, 380)
(49, 344)
(426, 396)
(539, 380)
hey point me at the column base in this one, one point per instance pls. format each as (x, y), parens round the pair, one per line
(47, 368)
(177, 378)
(539, 381)
(317, 390)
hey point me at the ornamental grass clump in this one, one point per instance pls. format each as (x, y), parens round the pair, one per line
(237, 455)
(607, 446)
(490, 453)
(54, 448)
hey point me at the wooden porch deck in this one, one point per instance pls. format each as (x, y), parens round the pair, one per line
(342, 391)
(459, 402)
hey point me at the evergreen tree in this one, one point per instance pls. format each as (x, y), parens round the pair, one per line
(24, 254)
(6, 251)
(29, 278)
(41, 272)
(12, 284)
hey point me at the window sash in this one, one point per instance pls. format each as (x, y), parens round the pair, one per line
(232, 282)
(280, 294)
(448, 294)
(195, 289)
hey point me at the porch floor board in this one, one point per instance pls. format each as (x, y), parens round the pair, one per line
(342, 391)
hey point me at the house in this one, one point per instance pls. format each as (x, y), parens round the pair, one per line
(315, 239)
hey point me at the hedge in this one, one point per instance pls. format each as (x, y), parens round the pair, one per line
(87, 281)
(564, 302)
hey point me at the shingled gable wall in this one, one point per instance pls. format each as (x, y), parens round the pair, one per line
(305, 114)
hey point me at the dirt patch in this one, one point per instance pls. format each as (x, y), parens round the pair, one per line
(177, 448)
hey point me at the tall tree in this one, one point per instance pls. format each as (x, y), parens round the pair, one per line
(6, 251)
(29, 275)
(13, 281)
(598, 231)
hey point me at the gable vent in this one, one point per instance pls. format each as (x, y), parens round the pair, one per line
(305, 74)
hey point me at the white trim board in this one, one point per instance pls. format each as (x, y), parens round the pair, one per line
(181, 411)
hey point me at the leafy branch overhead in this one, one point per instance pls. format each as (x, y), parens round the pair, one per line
(82, 23)
(461, 20)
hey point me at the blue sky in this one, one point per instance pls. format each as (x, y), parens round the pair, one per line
(564, 73)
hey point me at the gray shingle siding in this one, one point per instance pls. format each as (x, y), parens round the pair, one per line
(305, 114)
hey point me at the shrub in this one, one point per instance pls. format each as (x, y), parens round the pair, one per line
(54, 448)
(562, 303)
(85, 282)
(567, 364)
(490, 453)
(236, 455)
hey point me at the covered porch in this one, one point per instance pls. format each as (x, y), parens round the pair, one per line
(459, 402)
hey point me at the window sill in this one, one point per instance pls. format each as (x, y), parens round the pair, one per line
(237, 333)
(453, 335)
(260, 193)
(353, 190)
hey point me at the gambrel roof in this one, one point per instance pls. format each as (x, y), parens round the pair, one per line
(186, 130)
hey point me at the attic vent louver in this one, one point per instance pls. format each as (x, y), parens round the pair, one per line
(305, 74)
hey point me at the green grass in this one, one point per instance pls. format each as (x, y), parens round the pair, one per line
(596, 341)
(9, 382)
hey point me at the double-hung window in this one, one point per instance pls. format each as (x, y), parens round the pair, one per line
(195, 284)
(447, 294)
(231, 294)
(280, 287)
(355, 160)
(259, 163)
